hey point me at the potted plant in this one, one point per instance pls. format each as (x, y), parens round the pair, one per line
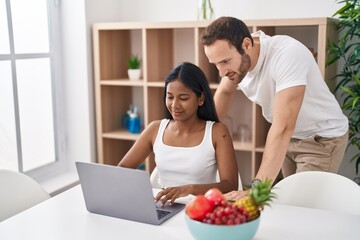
(346, 51)
(205, 10)
(134, 70)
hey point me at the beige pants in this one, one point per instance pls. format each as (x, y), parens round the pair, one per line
(314, 154)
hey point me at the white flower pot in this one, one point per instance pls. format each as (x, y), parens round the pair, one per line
(134, 74)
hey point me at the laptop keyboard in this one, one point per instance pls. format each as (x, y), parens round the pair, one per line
(162, 213)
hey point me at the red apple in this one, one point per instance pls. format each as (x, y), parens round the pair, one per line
(198, 207)
(214, 196)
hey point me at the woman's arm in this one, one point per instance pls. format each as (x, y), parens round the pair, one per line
(225, 156)
(142, 147)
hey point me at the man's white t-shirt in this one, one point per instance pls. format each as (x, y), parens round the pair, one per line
(283, 63)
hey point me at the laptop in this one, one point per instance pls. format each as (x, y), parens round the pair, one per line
(122, 193)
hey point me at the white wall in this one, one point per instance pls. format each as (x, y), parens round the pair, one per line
(77, 117)
(170, 10)
(77, 88)
(78, 44)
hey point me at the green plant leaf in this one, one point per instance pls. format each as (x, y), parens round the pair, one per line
(347, 90)
(356, 79)
(355, 102)
(342, 10)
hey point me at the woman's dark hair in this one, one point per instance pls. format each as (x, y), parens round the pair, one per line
(230, 29)
(194, 78)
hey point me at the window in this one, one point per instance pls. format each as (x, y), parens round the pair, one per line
(29, 86)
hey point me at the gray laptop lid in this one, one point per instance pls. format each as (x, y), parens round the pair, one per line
(121, 192)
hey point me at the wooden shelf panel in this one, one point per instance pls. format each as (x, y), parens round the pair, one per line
(122, 134)
(114, 150)
(155, 103)
(241, 146)
(203, 24)
(294, 22)
(122, 82)
(260, 149)
(155, 84)
(214, 86)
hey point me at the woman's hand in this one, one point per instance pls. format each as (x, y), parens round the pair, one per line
(172, 193)
(235, 195)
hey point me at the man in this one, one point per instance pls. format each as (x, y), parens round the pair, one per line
(308, 128)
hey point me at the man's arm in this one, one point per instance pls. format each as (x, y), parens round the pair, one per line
(224, 96)
(285, 112)
(286, 108)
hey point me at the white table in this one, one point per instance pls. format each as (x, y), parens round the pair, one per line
(65, 217)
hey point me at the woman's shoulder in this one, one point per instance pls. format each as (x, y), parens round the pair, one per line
(219, 128)
(151, 130)
(154, 124)
(220, 134)
(217, 124)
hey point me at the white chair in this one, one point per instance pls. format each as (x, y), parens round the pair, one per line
(322, 190)
(18, 193)
(154, 179)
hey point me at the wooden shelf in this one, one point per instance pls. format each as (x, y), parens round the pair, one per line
(122, 82)
(163, 45)
(240, 146)
(121, 134)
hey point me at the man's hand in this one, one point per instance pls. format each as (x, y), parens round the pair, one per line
(235, 195)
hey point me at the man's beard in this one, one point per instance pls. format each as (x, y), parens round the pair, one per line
(243, 68)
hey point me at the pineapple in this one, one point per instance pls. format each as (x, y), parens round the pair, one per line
(256, 199)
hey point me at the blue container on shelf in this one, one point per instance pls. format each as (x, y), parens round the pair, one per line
(141, 166)
(134, 123)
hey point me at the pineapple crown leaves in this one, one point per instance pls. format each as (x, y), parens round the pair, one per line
(261, 193)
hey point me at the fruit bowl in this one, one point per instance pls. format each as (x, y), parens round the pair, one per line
(204, 231)
(212, 216)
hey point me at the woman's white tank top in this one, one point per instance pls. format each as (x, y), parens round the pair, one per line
(185, 165)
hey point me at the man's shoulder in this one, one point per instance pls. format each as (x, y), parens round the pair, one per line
(283, 40)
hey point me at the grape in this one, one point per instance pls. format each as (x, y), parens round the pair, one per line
(225, 213)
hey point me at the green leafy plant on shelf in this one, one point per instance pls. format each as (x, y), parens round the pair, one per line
(346, 51)
(206, 10)
(134, 62)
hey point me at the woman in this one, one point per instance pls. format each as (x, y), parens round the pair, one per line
(190, 144)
